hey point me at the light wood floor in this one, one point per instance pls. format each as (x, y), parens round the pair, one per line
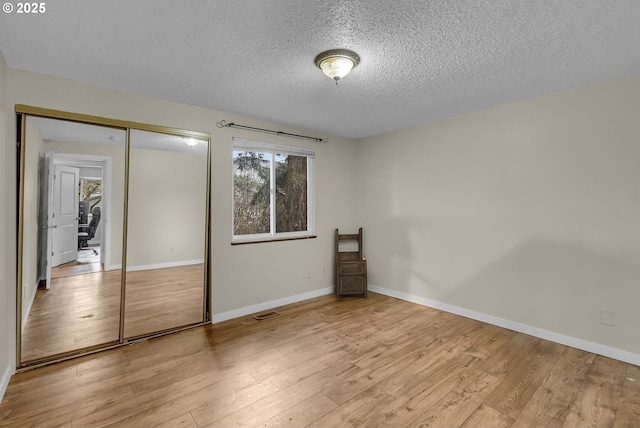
(81, 311)
(87, 262)
(378, 362)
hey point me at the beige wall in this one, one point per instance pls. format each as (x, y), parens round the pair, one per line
(148, 206)
(167, 208)
(243, 275)
(34, 169)
(7, 238)
(527, 212)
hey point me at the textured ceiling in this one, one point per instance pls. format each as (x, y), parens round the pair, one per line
(421, 60)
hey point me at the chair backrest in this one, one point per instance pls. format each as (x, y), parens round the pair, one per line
(83, 212)
(342, 256)
(95, 219)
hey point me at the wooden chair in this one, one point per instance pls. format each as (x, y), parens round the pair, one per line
(351, 266)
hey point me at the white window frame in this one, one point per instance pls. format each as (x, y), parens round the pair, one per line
(240, 144)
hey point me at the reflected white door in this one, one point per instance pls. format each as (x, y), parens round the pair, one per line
(47, 203)
(65, 214)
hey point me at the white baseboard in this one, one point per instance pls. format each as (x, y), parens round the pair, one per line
(574, 342)
(156, 265)
(4, 382)
(164, 265)
(236, 313)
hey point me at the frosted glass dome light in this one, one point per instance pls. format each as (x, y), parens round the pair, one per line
(337, 63)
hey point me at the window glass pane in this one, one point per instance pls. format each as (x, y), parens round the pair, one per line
(251, 192)
(291, 193)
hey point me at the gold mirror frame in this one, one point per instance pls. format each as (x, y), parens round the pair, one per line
(24, 111)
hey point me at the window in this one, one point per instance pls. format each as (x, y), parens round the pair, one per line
(90, 190)
(272, 191)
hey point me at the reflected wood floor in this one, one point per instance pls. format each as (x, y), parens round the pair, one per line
(75, 268)
(84, 310)
(379, 362)
(87, 262)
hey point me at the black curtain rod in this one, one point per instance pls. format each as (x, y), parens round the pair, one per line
(224, 124)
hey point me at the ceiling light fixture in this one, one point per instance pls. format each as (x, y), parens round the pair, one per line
(337, 63)
(190, 141)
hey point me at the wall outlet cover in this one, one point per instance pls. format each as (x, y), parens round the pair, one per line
(607, 317)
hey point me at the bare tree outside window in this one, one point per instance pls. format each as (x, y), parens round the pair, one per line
(90, 190)
(251, 193)
(291, 193)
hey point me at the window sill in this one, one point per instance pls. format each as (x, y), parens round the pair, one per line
(261, 241)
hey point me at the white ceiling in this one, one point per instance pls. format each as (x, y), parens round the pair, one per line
(420, 60)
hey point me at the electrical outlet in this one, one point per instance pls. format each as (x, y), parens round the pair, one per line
(607, 317)
(323, 271)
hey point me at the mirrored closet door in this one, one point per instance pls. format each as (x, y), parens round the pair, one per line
(97, 195)
(166, 232)
(72, 204)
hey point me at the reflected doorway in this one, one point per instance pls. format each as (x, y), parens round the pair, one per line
(89, 241)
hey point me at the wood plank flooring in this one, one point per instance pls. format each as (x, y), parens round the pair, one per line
(87, 262)
(75, 268)
(81, 311)
(379, 362)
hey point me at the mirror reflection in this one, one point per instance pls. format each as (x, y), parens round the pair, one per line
(166, 230)
(72, 236)
(78, 183)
